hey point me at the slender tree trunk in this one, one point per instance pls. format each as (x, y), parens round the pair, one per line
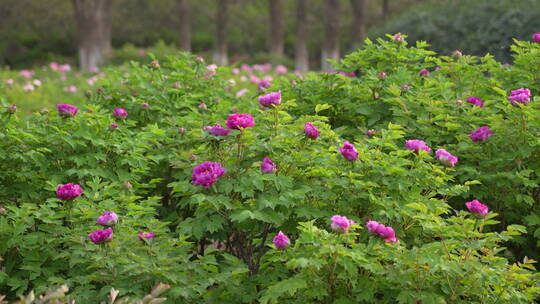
(385, 8)
(331, 41)
(276, 28)
(301, 59)
(220, 53)
(359, 21)
(185, 26)
(94, 31)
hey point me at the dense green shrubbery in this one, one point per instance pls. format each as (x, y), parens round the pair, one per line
(214, 244)
(475, 27)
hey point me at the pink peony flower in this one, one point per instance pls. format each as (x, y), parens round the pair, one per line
(264, 84)
(424, 73)
(311, 131)
(26, 73)
(520, 96)
(536, 37)
(64, 68)
(28, 87)
(68, 191)
(143, 235)
(9, 81)
(108, 218)
(217, 130)
(340, 223)
(65, 109)
(100, 236)
(240, 121)
(119, 112)
(281, 69)
(383, 231)
(481, 134)
(54, 66)
(267, 166)
(271, 99)
(349, 151)
(207, 173)
(446, 158)
(203, 106)
(417, 145)
(457, 53)
(398, 38)
(477, 208)
(476, 101)
(281, 241)
(254, 79)
(241, 92)
(70, 89)
(235, 71)
(113, 126)
(37, 82)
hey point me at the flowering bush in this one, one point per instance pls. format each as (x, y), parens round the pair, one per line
(263, 210)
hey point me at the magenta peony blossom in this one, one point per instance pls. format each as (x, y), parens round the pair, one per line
(311, 131)
(113, 126)
(144, 235)
(240, 121)
(446, 158)
(536, 37)
(481, 134)
(68, 191)
(217, 130)
(264, 84)
(267, 166)
(417, 145)
(119, 112)
(383, 231)
(281, 241)
(424, 73)
(476, 101)
(457, 53)
(100, 236)
(477, 208)
(207, 173)
(26, 73)
(341, 223)
(271, 99)
(108, 218)
(349, 151)
(520, 96)
(65, 109)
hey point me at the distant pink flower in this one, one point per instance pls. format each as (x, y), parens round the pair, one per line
(254, 79)
(93, 69)
(311, 131)
(382, 75)
(481, 134)
(457, 53)
(417, 145)
(37, 82)
(281, 241)
(241, 92)
(141, 52)
(54, 66)
(477, 208)
(113, 126)
(424, 73)
(212, 67)
(92, 80)
(536, 37)
(70, 89)
(446, 158)
(101, 236)
(245, 68)
(235, 71)
(143, 235)
(26, 73)
(349, 151)
(264, 84)
(68, 191)
(28, 87)
(267, 166)
(9, 81)
(476, 101)
(119, 112)
(398, 38)
(341, 223)
(522, 96)
(350, 74)
(217, 130)
(281, 69)
(240, 121)
(270, 99)
(243, 78)
(108, 218)
(65, 68)
(203, 106)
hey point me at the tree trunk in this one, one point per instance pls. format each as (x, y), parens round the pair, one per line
(94, 31)
(359, 21)
(276, 28)
(301, 59)
(220, 53)
(385, 8)
(185, 26)
(331, 40)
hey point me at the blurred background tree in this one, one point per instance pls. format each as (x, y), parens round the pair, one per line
(36, 31)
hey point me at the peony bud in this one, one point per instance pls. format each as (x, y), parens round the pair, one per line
(281, 241)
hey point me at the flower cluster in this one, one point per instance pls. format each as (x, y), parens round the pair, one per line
(387, 233)
(207, 173)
